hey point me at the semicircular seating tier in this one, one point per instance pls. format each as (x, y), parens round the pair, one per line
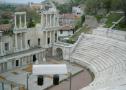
(106, 58)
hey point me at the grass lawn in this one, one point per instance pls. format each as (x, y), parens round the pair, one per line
(113, 17)
(84, 29)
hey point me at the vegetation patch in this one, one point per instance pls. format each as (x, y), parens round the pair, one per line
(121, 26)
(84, 29)
(113, 17)
(99, 17)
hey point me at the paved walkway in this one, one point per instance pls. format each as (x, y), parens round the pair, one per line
(78, 81)
(19, 76)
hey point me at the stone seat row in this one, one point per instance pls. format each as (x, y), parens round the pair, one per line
(106, 58)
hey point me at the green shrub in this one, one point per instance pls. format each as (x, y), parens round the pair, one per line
(98, 17)
(31, 23)
(71, 41)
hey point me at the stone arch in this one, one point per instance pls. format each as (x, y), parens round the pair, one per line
(59, 53)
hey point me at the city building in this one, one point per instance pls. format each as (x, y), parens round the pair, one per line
(67, 22)
(76, 10)
(65, 32)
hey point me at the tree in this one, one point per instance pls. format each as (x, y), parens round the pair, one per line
(31, 13)
(123, 7)
(82, 19)
(64, 8)
(107, 5)
(92, 6)
(31, 23)
(6, 15)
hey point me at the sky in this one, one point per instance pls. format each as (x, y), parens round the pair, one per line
(21, 1)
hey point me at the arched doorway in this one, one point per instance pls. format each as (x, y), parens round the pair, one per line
(59, 53)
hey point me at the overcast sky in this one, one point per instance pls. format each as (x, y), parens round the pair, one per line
(21, 1)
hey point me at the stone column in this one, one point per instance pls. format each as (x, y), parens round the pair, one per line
(50, 38)
(44, 56)
(46, 38)
(1, 46)
(20, 61)
(21, 40)
(13, 64)
(50, 20)
(57, 21)
(25, 41)
(16, 47)
(57, 36)
(41, 56)
(25, 21)
(5, 66)
(20, 24)
(54, 19)
(2, 67)
(15, 21)
(54, 36)
(46, 20)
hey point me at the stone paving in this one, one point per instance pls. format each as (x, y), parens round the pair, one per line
(19, 76)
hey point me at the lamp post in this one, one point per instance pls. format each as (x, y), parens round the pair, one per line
(27, 84)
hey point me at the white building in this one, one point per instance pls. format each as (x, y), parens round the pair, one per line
(65, 32)
(77, 11)
(68, 22)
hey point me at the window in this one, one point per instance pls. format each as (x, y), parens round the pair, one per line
(6, 46)
(17, 62)
(38, 41)
(29, 43)
(34, 58)
(61, 32)
(78, 13)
